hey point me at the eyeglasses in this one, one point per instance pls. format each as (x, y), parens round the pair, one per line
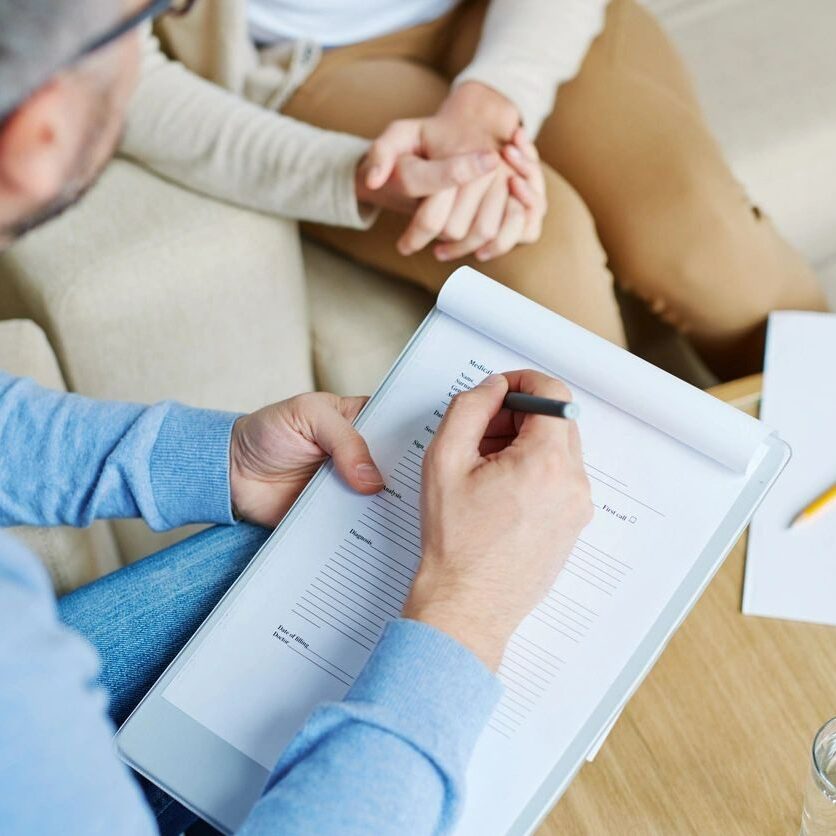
(152, 10)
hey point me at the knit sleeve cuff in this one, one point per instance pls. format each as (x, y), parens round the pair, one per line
(348, 151)
(437, 692)
(190, 466)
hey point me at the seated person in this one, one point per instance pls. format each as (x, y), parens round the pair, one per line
(637, 188)
(391, 756)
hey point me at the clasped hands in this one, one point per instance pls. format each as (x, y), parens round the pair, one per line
(469, 177)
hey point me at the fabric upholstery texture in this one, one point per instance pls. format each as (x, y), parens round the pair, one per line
(360, 320)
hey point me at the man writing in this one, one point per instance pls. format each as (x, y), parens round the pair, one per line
(391, 756)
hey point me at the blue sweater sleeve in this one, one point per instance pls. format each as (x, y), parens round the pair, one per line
(58, 773)
(391, 757)
(68, 460)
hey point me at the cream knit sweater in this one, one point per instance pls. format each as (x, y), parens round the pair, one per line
(208, 120)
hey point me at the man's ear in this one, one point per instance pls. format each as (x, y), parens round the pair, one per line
(36, 144)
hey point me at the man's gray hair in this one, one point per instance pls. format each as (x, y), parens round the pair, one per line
(39, 37)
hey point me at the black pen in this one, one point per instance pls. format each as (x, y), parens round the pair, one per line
(520, 402)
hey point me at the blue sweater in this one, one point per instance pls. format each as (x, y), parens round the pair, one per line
(389, 758)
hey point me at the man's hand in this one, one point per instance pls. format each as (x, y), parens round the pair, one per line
(274, 452)
(505, 496)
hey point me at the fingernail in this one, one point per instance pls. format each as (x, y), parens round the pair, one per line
(493, 380)
(442, 255)
(368, 474)
(514, 152)
(482, 255)
(487, 161)
(374, 173)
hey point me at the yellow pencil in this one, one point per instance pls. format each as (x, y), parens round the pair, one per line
(816, 507)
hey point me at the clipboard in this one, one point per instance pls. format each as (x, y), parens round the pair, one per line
(219, 782)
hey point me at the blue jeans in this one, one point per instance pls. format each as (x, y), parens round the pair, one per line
(141, 616)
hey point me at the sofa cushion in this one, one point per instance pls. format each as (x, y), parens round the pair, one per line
(72, 556)
(148, 291)
(361, 320)
(765, 71)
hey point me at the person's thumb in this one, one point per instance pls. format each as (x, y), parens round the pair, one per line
(335, 435)
(400, 137)
(466, 420)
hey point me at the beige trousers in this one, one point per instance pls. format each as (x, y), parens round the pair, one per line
(637, 187)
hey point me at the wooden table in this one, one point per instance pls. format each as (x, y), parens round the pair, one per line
(717, 738)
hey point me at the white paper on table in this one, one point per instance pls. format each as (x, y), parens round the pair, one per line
(665, 463)
(791, 573)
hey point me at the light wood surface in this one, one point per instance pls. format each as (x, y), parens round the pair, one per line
(717, 738)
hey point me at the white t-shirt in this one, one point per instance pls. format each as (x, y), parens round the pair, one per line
(338, 22)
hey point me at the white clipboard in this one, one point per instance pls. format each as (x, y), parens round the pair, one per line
(220, 783)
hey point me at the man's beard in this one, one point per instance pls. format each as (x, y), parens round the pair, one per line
(85, 172)
(69, 196)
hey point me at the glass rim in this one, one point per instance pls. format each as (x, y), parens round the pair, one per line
(817, 767)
